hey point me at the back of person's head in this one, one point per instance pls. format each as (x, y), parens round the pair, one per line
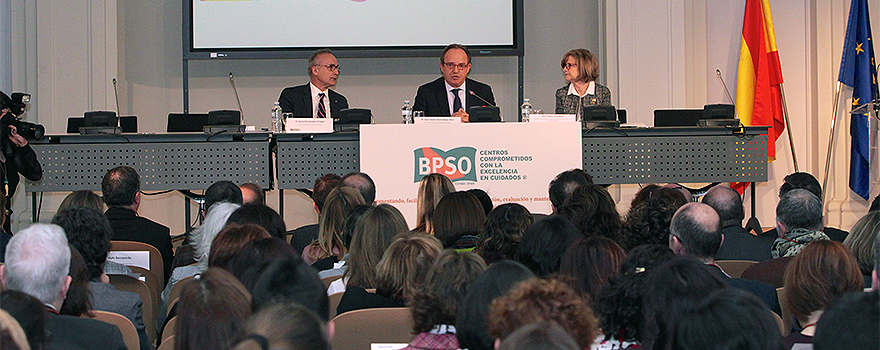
(323, 186)
(261, 215)
(697, 228)
(431, 188)
(536, 300)
(801, 180)
(672, 290)
(212, 313)
(30, 314)
(204, 235)
(340, 201)
(647, 222)
(850, 323)
(728, 319)
(727, 203)
(619, 302)
(285, 326)
(361, 182)
(876, 260)
(37, 262)
(252, 193)
(565, 183)
(503, 231)
(483, 198)
(222, 191)
(350, 221)
(230, 240)
(11, 334)
(456, 215)
(87, 230)
(592, 210)
(822, 272)
(78, 300)
(544, 243)
(289, 280)
(405, 265)
(497, 280)
(799, 209)
(120, 186)
(589, 262)
(82, 198)
(372, 234)
(644, 193)
(255, 253)
(545, 335)
(860, 241)
(437, 302)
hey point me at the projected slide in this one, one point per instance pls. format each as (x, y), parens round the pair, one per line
(256, 24)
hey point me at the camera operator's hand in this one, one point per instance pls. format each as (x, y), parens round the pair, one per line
(16, 138)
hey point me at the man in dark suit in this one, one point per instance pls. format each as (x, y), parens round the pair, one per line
(450, 95)
(739, 244)
(315, 99)
(806, 181)
(121, 189)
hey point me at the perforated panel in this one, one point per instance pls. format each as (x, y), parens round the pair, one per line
(301, 162)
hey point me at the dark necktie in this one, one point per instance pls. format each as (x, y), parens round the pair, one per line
(456, 103)
(322, 111)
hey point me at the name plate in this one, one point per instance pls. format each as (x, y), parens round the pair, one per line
(543, 118)
(130, 258)
(309, 125)
(437, 120)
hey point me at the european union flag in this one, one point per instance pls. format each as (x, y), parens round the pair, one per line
(858, 70)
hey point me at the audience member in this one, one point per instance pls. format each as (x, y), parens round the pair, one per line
(850, 323)
(362, 183)
(875, 281)
(860, 242)
(82, 198)
(121, 188)
(38, 263)
(503, 231)
(483, 198)
(256, 253)
(285, 326)
(544, 243)
(305, 235)
(29, 313)
(78, 301)
(739, 244)
(11, 334)
(728, 319)
(218, 192)
(229, 242)
(564, 184)
(402, 270)
(588, 264)
(592, 210)
(252, 193)
(545, 335)
(348, 226)
(648, 221)
(222, 191)
(643, 194)
(213, 310)
(328, 247)
(537, 300)
(431, 188)
(806, 181)
(289, 280)
(261, 215)
(824, 271)
(435, 306)
(457, 220)
(496, 281)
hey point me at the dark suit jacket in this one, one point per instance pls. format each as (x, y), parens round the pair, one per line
(106, 297)
(128, 226)
(298, 100)
(432, 97)
(69, 332)
(765, 292)
(740, 244)
(303, 236)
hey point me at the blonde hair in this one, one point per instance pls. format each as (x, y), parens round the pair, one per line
(405, 264)
(373, 233)
(339, 202)
(432, 187)
(588, 66)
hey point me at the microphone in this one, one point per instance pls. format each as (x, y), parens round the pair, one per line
(718, 74)
(116, 94)
(240, 110)
(474, 94)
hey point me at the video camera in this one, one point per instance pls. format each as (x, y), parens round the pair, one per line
(16, 106)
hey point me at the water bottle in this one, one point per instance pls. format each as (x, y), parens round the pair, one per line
(276, 118)
(406, 111)
(526, 111)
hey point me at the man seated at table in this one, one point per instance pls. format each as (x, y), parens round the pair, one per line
(315, 99)
(450, 95)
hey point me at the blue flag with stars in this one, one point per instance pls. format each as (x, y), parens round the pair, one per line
(858, 70)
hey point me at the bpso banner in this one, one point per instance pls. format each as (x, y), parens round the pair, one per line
(513, 162)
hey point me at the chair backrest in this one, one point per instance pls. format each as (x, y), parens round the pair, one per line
(334, 303)
(170, 329)
(129, 333)
(356, 330)
(787, 317)
(168, 344)
(780, 324)
(156, 264)
(328, 280)
(734, 268)
(150, 279)
(174, 294)
(150, 306)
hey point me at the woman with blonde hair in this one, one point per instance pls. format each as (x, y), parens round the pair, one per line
(329, 243)
(581, 69)
(432, 187)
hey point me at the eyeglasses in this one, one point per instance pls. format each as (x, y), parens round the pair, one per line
(329, 66)
(569, 66)
(450, 65)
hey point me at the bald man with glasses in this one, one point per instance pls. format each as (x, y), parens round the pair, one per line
(315, 99)
(450, 95)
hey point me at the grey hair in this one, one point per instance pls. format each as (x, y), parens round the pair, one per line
(214, 223)
(37, 261)
(799, 208)
(314, 57)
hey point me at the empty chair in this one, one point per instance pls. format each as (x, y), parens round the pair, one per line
(356, 330)
(129, 333)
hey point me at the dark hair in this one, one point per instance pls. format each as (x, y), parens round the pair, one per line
(446, 285)
(483, 198)
(212, 313)
(230, 240)
(801, 180)
(455, 46)
(456, 215)
(222, 191)
(503, 231)
(254, 253)
(288, 326)
(544, 243)
(544, 335)
(78, 301)
(261, 215)
(289, 280)
(350, 220)
(644, 193)
(82, 198)
(256, 189)
(362, 183)
(373, 234)
(30, 314)
(728, 319)
(850, 323)
(89, 231)
(860, 241)
(589, 262)
(727, 203)
(120, 186)
(799, 208)
(822, 272)
(698, 229)
(592, 210)
(648, 221)
(497, 280)
(323, 186)
(565, 183)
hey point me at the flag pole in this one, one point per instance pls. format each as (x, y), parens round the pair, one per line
(788, 126)
(830, 142)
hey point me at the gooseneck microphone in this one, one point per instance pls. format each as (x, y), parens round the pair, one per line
(718, 73)
(240, 110)
(116, 94)
(474, 94)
